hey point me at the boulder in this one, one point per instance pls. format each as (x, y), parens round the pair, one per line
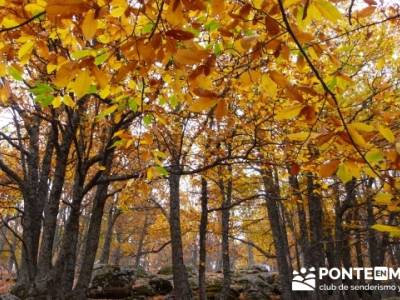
(111, 282)
(165, 270)
(149, 287)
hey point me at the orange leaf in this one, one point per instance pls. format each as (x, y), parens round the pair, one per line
(329, 168)
(190, 56)
(278, 78)
(202, 104)
(89, 25)
(221, 110)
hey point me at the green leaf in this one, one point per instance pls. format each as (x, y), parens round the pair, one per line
(173, 101)
(133, 105)
(147, 119)
(148, 27)
(374, 156)
(161, 170)
(43, 94)
(212, 26)
(107, 111)
(217, 49)
(81, 53)
(100, 58)
(15, 73)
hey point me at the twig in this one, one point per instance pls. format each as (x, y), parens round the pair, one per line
(325, 87)
(23, 23)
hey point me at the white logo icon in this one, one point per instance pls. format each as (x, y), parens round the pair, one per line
(304, 281)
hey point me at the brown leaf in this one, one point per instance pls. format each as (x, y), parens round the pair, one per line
(179, 35)
(245, 10)
(204, 93)
(272, 26)
(294, 169)
(221, 110)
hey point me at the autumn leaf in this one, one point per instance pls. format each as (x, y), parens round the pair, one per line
(289, 113)
(221, 110)
(89, 25)
(387, 133)
(202, 104)
(81, 84)
(179, 35)
(328, 169)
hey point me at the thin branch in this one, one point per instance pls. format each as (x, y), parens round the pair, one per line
(23, 23)
(263, 252)
(325, 87)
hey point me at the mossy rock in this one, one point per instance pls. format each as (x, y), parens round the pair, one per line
(166, 270)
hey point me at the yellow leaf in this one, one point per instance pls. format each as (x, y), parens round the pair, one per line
(386, 132)
(57, 101)
(386, 228)
(3, 69)
(33, 8)
(354, 168)
(268, 86)
(67, 100)
(344, 173)
(89, 25)
(8, 22)
(81, 84)
(328, 10)
(202, 104)
(50, 68)
(298, 136)
(289, 113)
(357, 137)
(362, 127)
(383, 198)
(118, 8)
(26, 49)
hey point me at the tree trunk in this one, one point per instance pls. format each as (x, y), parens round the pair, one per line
(203, 239)
(180, 276)
(226, 264)
(302, 219)
(141, 242)
(92, 238)
(112, 218)
(277, 228)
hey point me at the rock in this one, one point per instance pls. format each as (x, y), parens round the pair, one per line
(142, 287)
(111, 282)
(250, 284)
(161, 286)
(166, 270)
